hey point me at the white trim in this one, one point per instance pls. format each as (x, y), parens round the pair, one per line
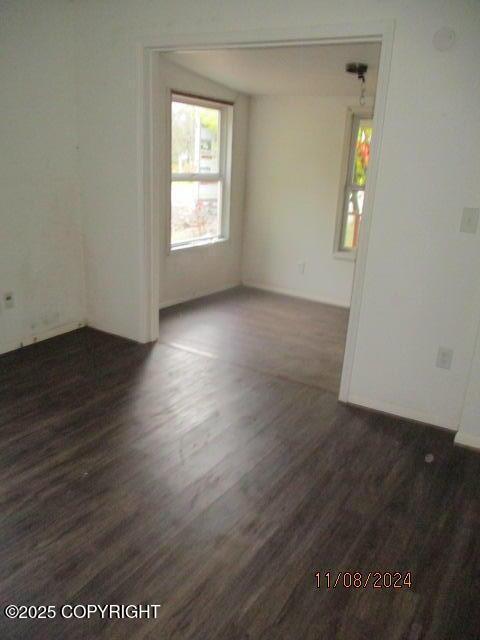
(467, 440)
(222, 176)
(43, 335)
(353, 119)
(347, 135)
(370, 31)
(151, 164)
(211, 103)
(362, 249)
(197, 244)
(404, 412)
(98, 326)
(198, 294)
(197, 177)
(149, 222)
(349, 256)
(292, 293)
(466, 408)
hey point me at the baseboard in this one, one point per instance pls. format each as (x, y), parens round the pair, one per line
(198, 294)
(294, 294)
(98, 326)
(467, 440)
(428, 419)
(44, 335)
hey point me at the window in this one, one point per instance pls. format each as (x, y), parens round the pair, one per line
(356, 180)
(200, 135)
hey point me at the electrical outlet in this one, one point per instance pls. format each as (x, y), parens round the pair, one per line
(444, 357)
(469, 222)
(9, 300)
(301, 267)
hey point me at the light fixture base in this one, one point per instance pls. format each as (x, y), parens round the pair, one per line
(357, 68)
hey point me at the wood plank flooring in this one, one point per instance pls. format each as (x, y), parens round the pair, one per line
(150, 474)
(288, 337)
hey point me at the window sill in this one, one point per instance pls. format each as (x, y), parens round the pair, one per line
(197, 244)
(349, 256)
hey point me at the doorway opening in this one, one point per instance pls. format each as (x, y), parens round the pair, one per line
(266, 153)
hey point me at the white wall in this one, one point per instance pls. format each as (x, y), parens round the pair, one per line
(469, 432)
(422, 278)
(295, 153)
(40, 232)
(188, 273)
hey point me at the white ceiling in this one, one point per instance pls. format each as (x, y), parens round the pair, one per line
(295, 70)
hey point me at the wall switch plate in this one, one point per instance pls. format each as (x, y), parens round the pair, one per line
(9, 300)
(469, 222)
(444, 358)
(301, 267)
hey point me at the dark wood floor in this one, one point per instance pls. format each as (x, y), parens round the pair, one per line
(288, 337)
(151, 474)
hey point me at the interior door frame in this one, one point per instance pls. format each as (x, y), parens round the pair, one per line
(151, 163)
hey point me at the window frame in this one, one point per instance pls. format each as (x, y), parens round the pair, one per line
(223, 176)
(354, 117)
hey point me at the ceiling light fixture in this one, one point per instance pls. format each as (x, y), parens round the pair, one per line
(360, 70)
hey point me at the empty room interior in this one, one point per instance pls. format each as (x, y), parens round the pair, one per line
(269, 153)
(240, 320)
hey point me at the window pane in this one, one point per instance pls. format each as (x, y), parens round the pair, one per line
(362, 153)
(195, 138)
(353, 218)
(195, 211)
